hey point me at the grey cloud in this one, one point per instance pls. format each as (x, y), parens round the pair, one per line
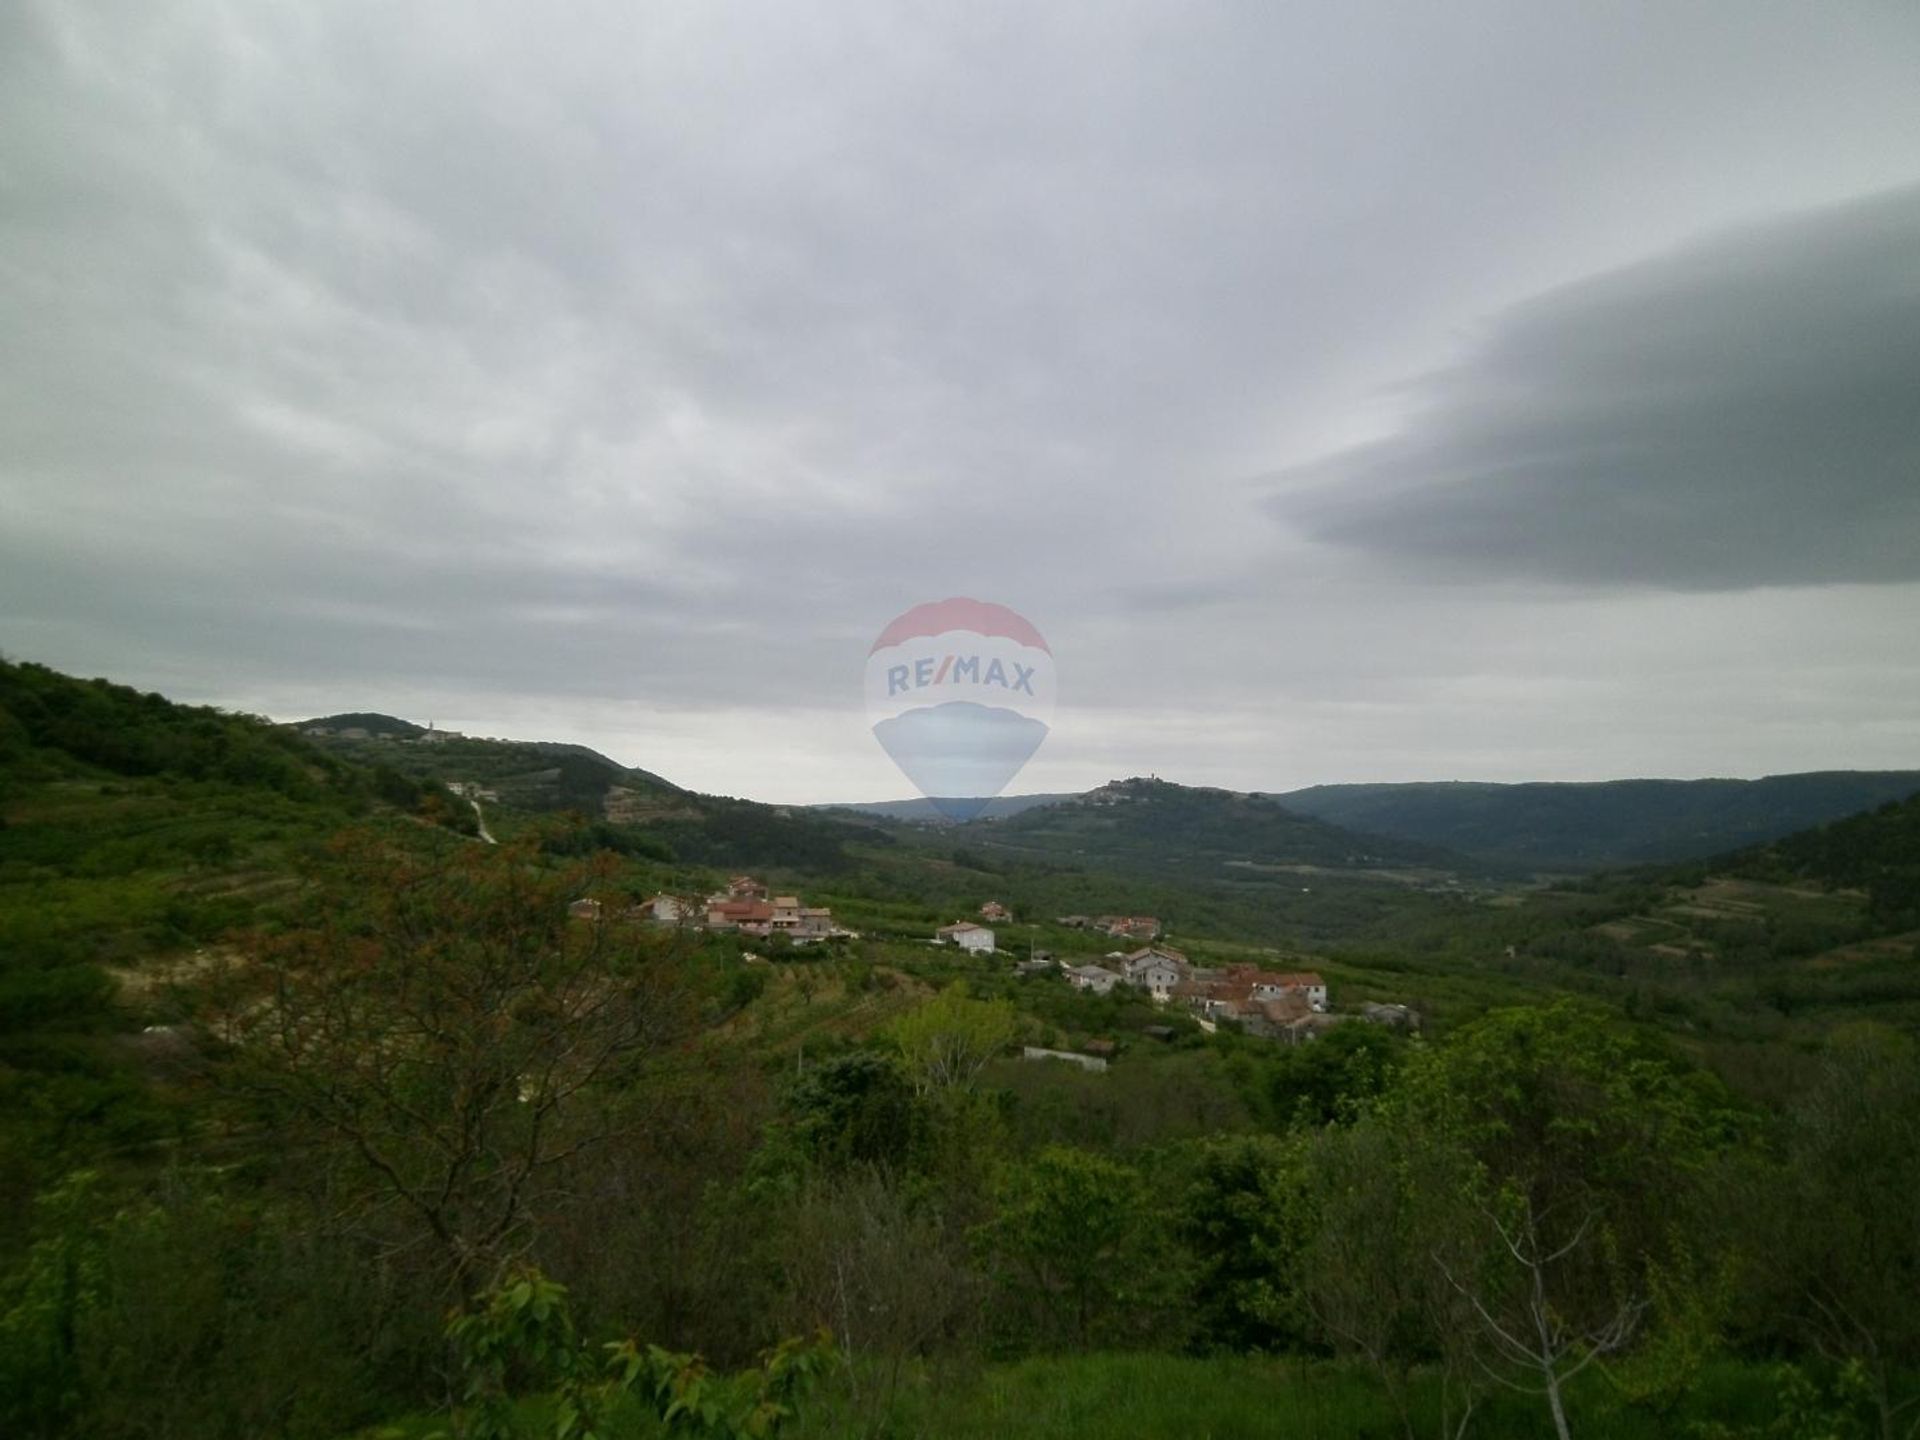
(1742, 413)
(665, 351)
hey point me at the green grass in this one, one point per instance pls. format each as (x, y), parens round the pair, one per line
(1172, 1397)
(1167, 1397)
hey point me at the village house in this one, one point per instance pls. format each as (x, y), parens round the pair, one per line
(1092, 978)
(994, 910)
(1156, 969)
(747, 917)
(786, 915)
(1312, 1027)
(1305, 982)
(743, 907)
(1261, 1002)
(665, 909)
(1129, 927)
(974, 939)
(659, 910)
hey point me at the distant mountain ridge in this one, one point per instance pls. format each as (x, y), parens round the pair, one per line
(1570, 825)
(1151, 823)
(1454, 825)
(1595, 824)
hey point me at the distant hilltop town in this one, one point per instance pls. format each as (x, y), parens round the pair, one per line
(377, 727)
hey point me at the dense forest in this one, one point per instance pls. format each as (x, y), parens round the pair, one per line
(326, 1118)
(1585, 826)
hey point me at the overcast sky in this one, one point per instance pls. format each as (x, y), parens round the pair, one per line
(1347, 391)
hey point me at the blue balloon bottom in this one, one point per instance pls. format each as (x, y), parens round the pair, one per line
(960, 754)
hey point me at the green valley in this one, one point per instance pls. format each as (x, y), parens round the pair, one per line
(298, 1066)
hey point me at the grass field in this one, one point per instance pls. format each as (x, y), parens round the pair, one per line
(1168, 1397)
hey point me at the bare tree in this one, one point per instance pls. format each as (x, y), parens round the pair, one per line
(1525, 1325)
(457, 1033)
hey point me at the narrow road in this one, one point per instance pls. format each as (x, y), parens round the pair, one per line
(481, 821)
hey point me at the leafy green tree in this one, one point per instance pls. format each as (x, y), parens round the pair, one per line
(518, 1340)
(1244, 1220)
(946, 1042)
(1075, 1241)
(690, 1399)
(45, 1305)
(1335, 1077)
(855, 1109)
(1843, 1239)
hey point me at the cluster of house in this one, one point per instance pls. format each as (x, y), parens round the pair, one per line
(1284, 1005)
(743, 908)
(1120, 927)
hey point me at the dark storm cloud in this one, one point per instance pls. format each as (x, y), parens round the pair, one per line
(1744, 412)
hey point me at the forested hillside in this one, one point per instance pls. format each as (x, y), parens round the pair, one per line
(1150, 823)
(1603, 823)
(625, 808)
(325, 1118)
(1878, 852)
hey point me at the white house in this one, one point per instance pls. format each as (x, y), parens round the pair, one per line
(1155, 971)
(664, 909)
(1093, 978)
(974, 939)
(1267, 986)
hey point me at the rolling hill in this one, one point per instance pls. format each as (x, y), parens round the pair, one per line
(1156, 824)
(1586, 826)
(628, 809)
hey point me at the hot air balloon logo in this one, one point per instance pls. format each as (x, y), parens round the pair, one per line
(960, 693)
